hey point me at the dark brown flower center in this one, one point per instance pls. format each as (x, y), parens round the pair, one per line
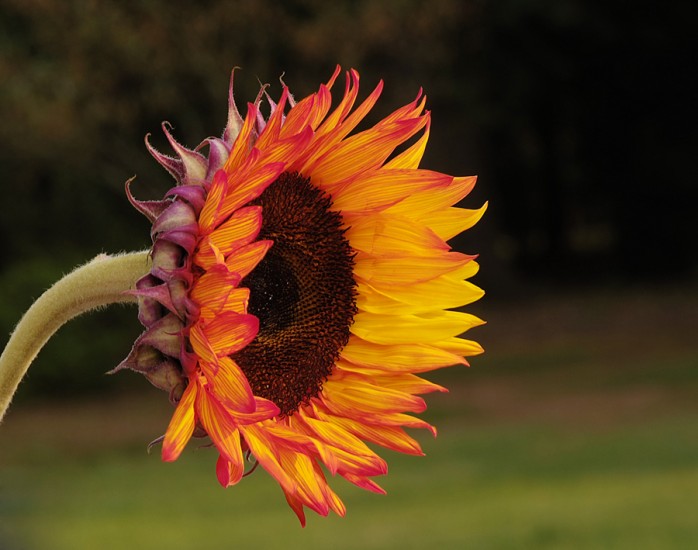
(303, 293)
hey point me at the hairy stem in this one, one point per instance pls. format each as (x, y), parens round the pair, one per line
(98, 283)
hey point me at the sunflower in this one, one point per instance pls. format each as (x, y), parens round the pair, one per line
(301, 280)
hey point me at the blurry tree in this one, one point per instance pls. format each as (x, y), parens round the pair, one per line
(588, 145)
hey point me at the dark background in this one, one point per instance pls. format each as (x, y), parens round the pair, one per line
(576, 116)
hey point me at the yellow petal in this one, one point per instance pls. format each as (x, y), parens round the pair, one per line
(394, 237)
(450, 222)
(460, 346)
(439, 293)
(409, 357)
(408, 270)
(405, 329)
(408, 383)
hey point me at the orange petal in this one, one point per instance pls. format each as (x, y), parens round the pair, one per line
(287, 150)
(237, 300)
(339, 115)
(201, 346)
(338, 437)
(208, 215)
(245, 259)
(229, 473)
(390, 437)
(230, 332)
(239, 230)
(400, 419)
(211, 291)
(363, 151)
(309, 112)
(430, 201)
(297, 474)
(323, 102)
(264, 450)
(243, 142)
(393, 438)
(308, 482)
(338, 124)
(383, 188)
(411, 157)
(247, 184)
(371, 465)
(219, 426)
(264, 410)
(231, 387)
(299, 116)
(296, 505)
(274, 123)
(181, 425)
(365, 483)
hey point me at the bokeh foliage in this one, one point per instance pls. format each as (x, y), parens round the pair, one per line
(569, 111)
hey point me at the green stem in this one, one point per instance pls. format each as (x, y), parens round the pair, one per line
(98, 283)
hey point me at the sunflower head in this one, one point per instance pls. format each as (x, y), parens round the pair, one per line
(301, 281)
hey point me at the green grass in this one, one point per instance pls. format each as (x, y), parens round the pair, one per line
(559, 442)
(520, 486)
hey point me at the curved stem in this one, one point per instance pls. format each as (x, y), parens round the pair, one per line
(98, 283)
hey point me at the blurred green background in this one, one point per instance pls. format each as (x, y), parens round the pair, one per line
(577, 428)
